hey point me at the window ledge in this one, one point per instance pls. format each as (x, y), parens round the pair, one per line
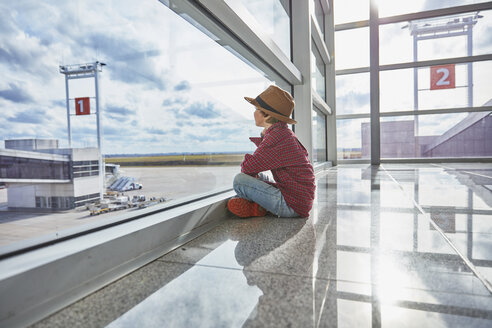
(43, 281)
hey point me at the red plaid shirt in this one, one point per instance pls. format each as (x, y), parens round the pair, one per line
(281, 152)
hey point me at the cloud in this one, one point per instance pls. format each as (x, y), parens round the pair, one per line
(484, 42)
(183, 85)
(353, 102)
(118, 110)
(59, 103)
(19, 49)
(179, 114)
(200, 138)
(124, 58)
(28, 116)
(110, 130)
(16, 94)
(184, 123)
(172, 101)
(137, 72)
(202, 110)
(156, 131)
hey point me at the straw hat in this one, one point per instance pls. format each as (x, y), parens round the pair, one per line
(275, 102)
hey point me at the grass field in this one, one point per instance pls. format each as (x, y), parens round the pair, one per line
(165, 160)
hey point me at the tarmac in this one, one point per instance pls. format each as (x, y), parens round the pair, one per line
(169, 182)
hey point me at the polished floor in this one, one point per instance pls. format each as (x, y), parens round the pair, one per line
(389, 246)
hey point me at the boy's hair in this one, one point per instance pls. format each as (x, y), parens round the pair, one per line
(270, 120)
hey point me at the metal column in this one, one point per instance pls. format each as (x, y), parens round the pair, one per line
(102, 171)
(374, 76)
(68, 113)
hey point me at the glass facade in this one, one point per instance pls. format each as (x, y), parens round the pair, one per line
(353, 94)
(436, 38)
(318, 72)
(351, 10)
(274, 18)
(391, 7)
(398, 87)
(319, 15)
(353, 139)
(16, 168)
(352, 48)
(438, 135)
(166, 91)
(319, 135)
(452, 86)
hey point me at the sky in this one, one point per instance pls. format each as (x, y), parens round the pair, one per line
(167, 87)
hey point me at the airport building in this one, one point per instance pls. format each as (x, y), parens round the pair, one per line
(40, 175)
(470, 137)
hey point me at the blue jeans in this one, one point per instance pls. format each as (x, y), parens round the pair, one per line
(260, 192)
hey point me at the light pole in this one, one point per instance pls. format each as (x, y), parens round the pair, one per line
(436, 28)
(84, 71)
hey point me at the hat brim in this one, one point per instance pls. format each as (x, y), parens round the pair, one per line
(279, 117)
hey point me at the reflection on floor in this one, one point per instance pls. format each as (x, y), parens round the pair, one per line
(393, 246)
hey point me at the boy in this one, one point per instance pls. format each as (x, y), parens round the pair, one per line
(292, 193)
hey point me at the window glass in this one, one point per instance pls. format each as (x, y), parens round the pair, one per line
(437, 135)
(350, 10)
(353, 93)
(436, 38)
(440, 89)
(352, 48)
(391, 7)
(173, 118)
(274, 18)
(319, 136)
(353, 138)
(318, 71)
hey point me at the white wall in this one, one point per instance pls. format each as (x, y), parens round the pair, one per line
(86, 185)
(20, 195)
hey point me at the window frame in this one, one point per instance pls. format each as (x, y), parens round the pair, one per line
(374, 69)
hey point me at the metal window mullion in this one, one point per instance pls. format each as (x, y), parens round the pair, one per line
(437, 111)
(374, 82)
(301, 56)
(331, 122)
(325, 4)
(424, 63)
(437, 160)
(242, 24)
(356, 70)
(353, 116)
(419, 112)
(317, 37)
(351, 25)
(415, 16)
(320, 103)
(436, 13)
(445, 61)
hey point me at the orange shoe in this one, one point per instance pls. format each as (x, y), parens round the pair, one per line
(244, 208)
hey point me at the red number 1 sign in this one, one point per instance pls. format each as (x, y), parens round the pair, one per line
(442, 77)
(82, 106)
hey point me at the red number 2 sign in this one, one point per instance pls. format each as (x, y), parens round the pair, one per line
(82, 106)
(442, 77)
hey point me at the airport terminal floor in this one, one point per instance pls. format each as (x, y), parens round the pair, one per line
(399, 245)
